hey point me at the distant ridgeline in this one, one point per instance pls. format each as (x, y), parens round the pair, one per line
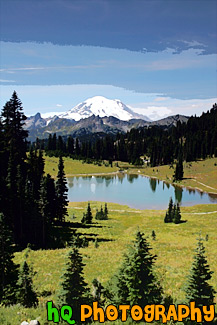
(192, 140)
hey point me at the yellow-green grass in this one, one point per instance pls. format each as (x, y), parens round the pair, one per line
(75, 167)
(174, 246)
(198, 174)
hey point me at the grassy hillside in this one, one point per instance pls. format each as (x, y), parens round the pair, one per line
(174, 246)
(75, 167)
(197, 174)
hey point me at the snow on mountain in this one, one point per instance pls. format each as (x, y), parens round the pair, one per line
(101, 106)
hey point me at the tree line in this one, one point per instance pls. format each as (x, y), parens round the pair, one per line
(193, 140)
(31, 202)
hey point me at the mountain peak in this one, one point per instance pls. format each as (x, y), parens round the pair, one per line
(101, 106)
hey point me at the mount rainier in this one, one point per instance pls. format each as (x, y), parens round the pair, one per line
(101, 106)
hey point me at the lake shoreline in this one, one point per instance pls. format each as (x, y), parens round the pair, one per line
(138, 173)
(86, 192)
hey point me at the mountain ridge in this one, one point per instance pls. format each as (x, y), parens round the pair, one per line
(91, 125)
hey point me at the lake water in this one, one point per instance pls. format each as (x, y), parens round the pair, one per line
(135, 191)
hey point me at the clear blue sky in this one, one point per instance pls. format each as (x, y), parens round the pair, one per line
(158, 57)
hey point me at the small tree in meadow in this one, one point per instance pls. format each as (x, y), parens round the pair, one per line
(136, 281)
(73, 288)
(198, 288)
(87, 217)
(26, 296)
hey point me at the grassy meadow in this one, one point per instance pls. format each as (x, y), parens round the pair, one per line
(201, 174)
(174, 246)
(76, 167)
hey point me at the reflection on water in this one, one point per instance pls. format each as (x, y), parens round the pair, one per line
(93, 188)
(178, 193)
(135, 191)
(153, 184)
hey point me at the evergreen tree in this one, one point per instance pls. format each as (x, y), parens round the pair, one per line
(136, 281)
(166, 218)
(8, 270)
(73, 289)
(97, 290)
(70, 145)
(26, 296)
(61, 191)
(106, 212)
(153, 235)
(170, 210)
(177, 215)
(178, 174)
(77, 147)
(49, 143)
(47, 207)
(198, 288)
(88, 215)
(13, 120)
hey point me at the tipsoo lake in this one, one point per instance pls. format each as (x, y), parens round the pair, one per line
(136, 191)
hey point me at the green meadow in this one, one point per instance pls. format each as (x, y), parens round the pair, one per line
(201, 174)
(174, 246)
(76, 167)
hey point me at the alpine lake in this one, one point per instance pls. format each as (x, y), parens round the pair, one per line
(136, 191)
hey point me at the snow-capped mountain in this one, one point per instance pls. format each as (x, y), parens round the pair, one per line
(101, 106)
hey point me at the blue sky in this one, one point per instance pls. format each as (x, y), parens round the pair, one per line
(158, 57)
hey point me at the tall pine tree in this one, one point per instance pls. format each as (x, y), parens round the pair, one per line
(198, 288)
(61, 191)
(73, 289)
(136, 282)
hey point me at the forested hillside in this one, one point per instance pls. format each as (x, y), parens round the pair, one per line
(193, 140)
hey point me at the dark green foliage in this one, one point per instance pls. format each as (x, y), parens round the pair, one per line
(170, 210)
(178, 174)
(177, 214)
(153, 235)
(73, 289)
(97, 291)
(26, 296)
(136, 282)
(166, 218)
(27, 200)
(102, 215)
(13, 120)
(61, 191)
(173, 213)
(87, 217)
(198, 288)
(8, 270)
(106, 211)
(47, 207)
